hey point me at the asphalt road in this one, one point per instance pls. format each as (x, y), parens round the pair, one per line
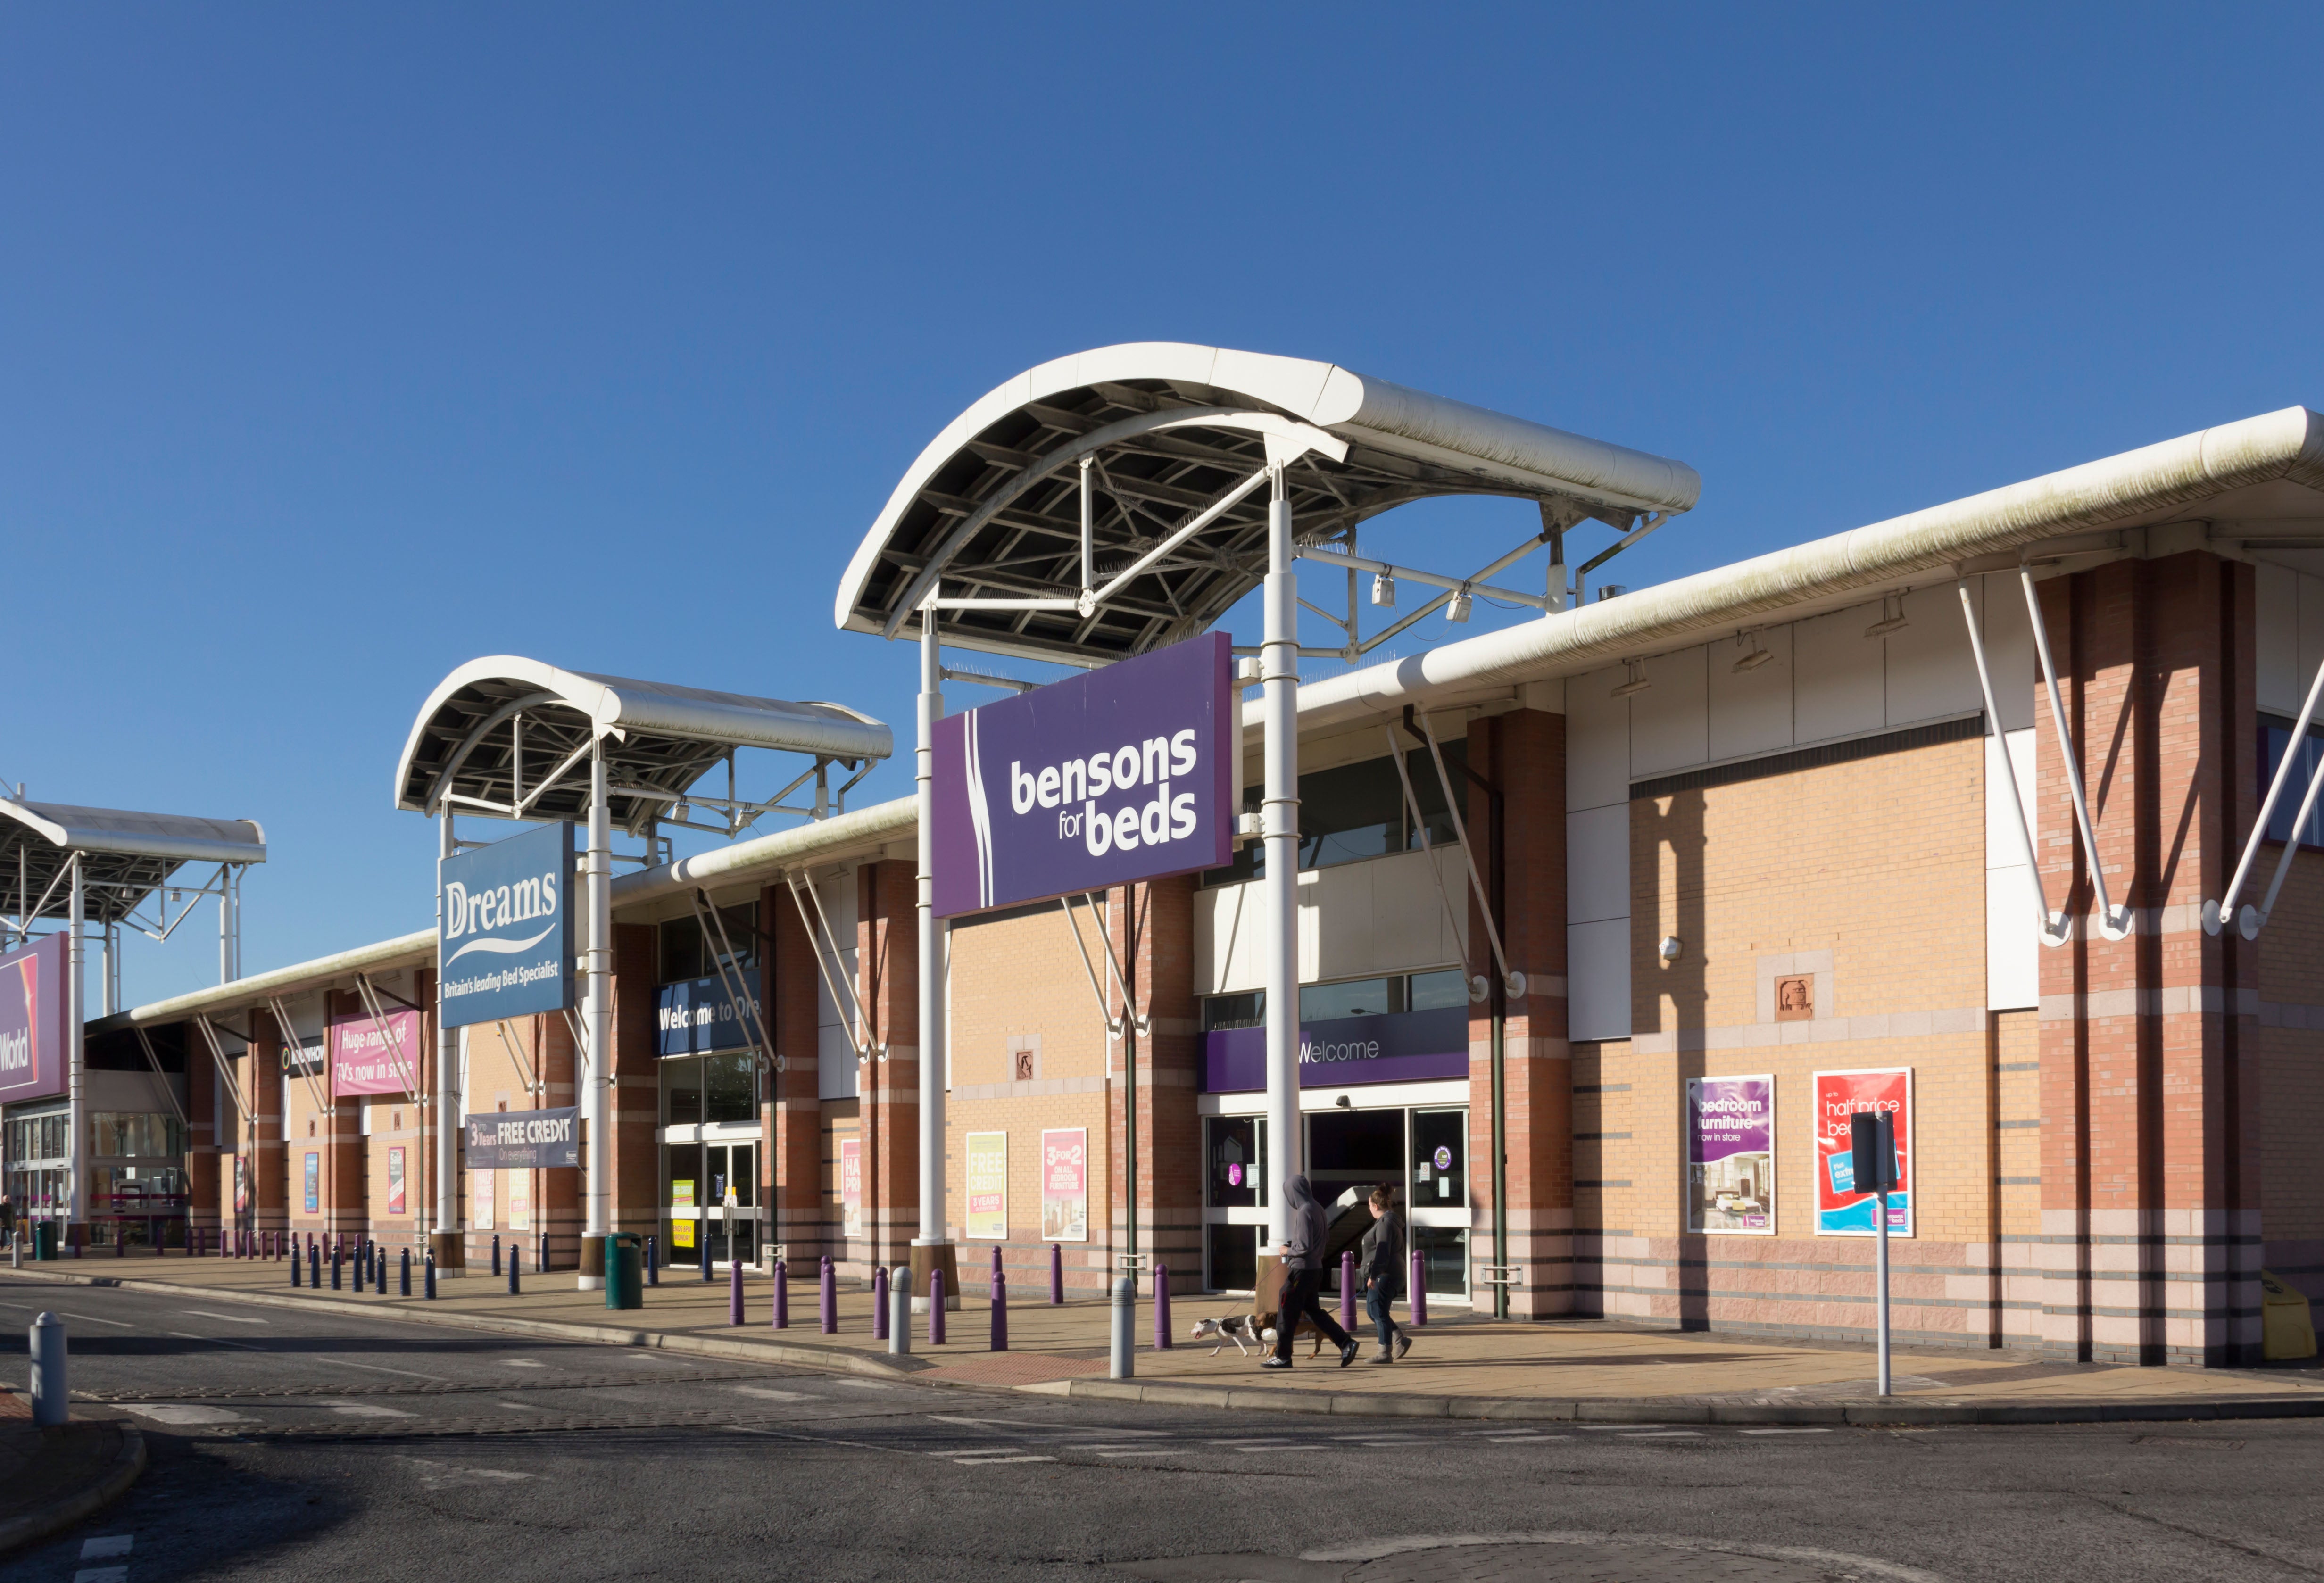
(288, 1445)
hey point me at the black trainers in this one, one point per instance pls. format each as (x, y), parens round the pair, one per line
(1348, 1353)
(1276, 1362)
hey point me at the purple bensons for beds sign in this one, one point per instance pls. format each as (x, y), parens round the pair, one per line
(1123, 774)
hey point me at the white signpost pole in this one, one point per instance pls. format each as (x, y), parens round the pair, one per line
(933, 1228)
(1278, 669)
(1883, 1259)
(446, 1240)
(596, 1114)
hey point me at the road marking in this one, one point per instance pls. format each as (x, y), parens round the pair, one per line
(367, 1410)
(1787, 1432)
(232, 1318)
(104, 1545)
(92, 1318)
(183, 1413)
(995, 1461)
(1147, 1452)
(866, 1385)
(1612, 1427)
(102, 1575)
(382, 1369)
(1668, 1434)
(518, 1406)
(215, 1341)
(770, 1394)
(524, 1363)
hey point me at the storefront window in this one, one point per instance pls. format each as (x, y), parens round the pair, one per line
(713, 1088)
(1348, 997)
(687, 954)
(1440, 1160)
(1235, 1153)
(128, 1134)
(1357, 811)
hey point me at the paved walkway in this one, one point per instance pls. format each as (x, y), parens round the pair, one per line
(1459, 1364)
(52, 1479)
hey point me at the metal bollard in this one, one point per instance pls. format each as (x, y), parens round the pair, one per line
(336, 1260)
(828, 1300)
(403, 1281)
(880, 1304)
(1057, 1272)
(1348, 1289)
(1000, 1311)
(702, 1249)
(379, 1273)
(496, 1253)
(996, 1258)
(314, 1267)
(1119, 1365)
(294, 1273)
(782, 1320)
(1418, 1291)
(654, 1261)
(935, 1308)
(900, 1310)
(428, 1286)
(49, 1393)
(120, 1240)
(516, 1258)
(733, 1288)
(1161, 1308)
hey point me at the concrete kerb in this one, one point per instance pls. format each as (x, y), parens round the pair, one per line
(128, 1462)
(1255, 1399)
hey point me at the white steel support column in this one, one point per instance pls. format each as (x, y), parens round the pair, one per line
(76, 1023)
(1278, 669)
(448, 1099)
(932, 952)
(596, 1090)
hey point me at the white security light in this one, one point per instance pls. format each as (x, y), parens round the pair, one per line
(1892, 617)
(1612, 590)
(1639, 680)
(1756, 657)
(1671, 947)
(1384, 591)
(1456, 610)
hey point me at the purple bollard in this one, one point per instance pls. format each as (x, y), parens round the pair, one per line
(1057, 1272)
(1418, 1297)
(1348, 1289)
(120, 1240)
(996, 1258)
(880, 1304)
(935, 1308)
(733, 1289)
(827, 1297)
(782, 1294)
(1000, 1311)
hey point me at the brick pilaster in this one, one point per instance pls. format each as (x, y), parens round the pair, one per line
(793, 1127)
(888, 971)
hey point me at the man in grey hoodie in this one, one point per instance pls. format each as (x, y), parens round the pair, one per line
(1303, 1277)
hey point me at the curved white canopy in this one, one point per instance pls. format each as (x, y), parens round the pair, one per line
(124, 856)
(990, 506)
(663, 737)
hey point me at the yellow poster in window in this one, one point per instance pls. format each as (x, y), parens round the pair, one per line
(681, 1234)
(987, 1187)
(519, 1200)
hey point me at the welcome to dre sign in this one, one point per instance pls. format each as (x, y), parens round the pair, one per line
(1124, 774)
(504, 939)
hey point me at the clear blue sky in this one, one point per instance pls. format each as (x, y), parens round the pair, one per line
(341, 345)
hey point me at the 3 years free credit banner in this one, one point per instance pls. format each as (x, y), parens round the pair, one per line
(1124, 774)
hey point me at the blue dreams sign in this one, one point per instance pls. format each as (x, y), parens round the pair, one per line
(504, 934)
(697, 1016)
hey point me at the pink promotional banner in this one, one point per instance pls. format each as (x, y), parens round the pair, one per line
(381, 1057)
(33, 1026)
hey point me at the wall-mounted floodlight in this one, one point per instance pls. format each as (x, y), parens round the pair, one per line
(1757, 657)
(1639, 680)
(1892, 617)
(1456, 609)
(1384, 591)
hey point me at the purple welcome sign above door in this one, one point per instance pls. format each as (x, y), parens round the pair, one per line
(1124, 774)
(1388, 1046)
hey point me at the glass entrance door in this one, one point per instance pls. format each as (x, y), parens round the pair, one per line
(731, 1202)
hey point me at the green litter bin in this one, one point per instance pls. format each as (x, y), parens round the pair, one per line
(625, 1270)
(44, 1239)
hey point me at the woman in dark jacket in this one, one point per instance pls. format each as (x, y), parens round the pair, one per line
(1303, 1277)
(1383, 1265)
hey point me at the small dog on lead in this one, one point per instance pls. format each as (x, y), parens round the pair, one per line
(1257, 1329)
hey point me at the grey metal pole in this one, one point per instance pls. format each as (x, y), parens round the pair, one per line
(448, 1099)
(1123, 1360)
(900, 1310)
(1883, 1291)
(932, 944)
(1279, 667)
(75, 1027)
(50, 1397)
(598, 951)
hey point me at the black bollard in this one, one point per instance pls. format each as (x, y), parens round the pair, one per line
(314, 1268)
(379, 1272)
(702, 1249)
(430, 1287)
(294, 1272)
(335, 1269)
(654, 1261)
(496, 1253)
(515, 1257)
(404, 1280)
